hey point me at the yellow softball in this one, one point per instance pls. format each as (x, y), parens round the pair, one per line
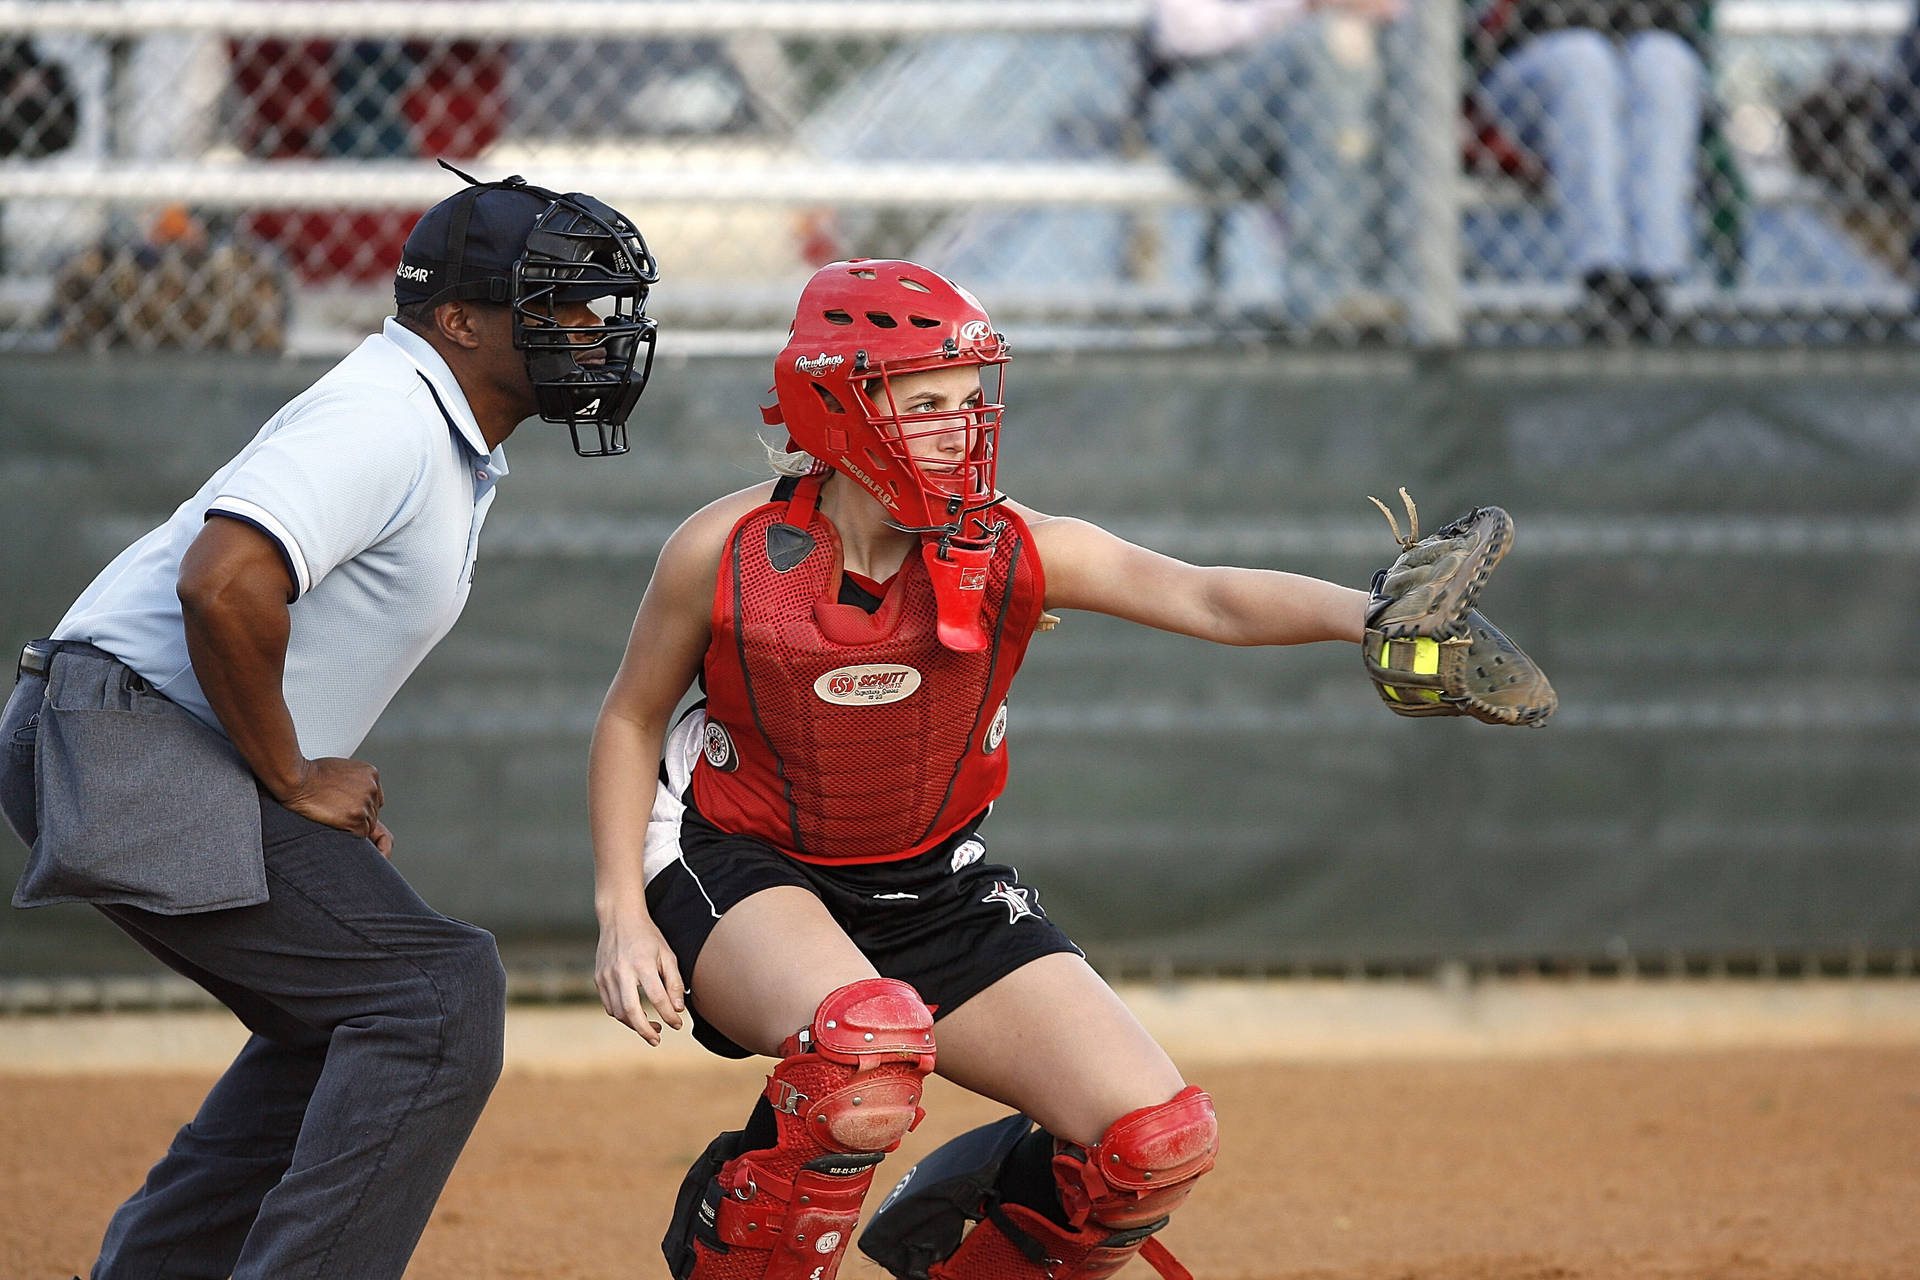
(1426, 662)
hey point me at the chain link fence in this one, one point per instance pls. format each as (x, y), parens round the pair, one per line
(241, 175)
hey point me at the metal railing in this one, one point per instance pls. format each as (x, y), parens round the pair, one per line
(1020, 145)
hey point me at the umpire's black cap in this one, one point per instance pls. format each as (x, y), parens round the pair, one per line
(465, 246)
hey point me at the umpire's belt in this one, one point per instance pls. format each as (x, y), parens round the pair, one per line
(34, 660)
(37, 658)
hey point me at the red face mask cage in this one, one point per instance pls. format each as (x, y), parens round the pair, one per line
(951, 453)
(871, 319)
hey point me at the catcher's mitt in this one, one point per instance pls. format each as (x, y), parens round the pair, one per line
(1482, 674)
(1429, 588)
(1428, 651)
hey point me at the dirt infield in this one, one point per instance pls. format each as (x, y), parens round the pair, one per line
(1766, 1164)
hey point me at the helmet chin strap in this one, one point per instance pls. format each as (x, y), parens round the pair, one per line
(948, 530)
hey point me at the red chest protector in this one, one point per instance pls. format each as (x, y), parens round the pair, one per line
(841, 736)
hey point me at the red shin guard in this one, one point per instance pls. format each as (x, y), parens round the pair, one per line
(846, 1092)
(1016, 1243)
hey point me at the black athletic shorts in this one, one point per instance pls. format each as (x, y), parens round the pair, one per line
(947, 921)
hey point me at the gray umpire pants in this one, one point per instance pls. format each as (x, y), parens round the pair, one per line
(377, 1031)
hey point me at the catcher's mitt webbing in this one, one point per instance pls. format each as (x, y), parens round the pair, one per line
(1434, 582)
(1482, 674)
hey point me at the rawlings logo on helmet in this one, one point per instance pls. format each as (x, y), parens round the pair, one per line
(814, 366)
(980, 335)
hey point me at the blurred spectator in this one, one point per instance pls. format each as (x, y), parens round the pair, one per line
(1896, 135)
(179, 288)
(362, 100)
(1857, 130)
(53, 114)
(1611, 94)
(1279, 101)
(39, 111)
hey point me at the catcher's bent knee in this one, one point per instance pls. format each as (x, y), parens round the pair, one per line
(1114, 1196)
(1143, 1166)
(779, 1200)
(863, 1058)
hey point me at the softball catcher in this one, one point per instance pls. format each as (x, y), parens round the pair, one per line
(801, 862)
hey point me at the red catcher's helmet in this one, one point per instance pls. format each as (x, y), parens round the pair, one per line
(859, 325)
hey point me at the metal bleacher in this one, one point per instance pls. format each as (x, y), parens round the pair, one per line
(1451, 299)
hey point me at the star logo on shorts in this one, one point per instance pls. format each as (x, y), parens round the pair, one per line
(1017, 900)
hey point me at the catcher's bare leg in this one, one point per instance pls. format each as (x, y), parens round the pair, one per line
(1053, 1041)
(1123, 1139)
(779, 1199)
(767, 965)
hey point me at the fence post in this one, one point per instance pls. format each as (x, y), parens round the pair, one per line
(1433, 138)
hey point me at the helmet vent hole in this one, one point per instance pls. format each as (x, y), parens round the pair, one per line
(914, 285)
(828, 399)
(863, 273)
(881, 320)
(837, 316)
(876, 461)
(922, 322)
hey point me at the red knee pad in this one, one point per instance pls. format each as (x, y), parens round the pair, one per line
(1144, 1166)
(846, 1091)
(854, 1074)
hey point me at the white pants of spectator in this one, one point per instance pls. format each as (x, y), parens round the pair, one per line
(1618, 123)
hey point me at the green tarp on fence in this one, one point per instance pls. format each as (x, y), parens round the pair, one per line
(1716, 559)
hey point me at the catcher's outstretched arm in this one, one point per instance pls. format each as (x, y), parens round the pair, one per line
(1089, 568)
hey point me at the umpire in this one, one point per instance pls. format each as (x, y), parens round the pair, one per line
(179, 753)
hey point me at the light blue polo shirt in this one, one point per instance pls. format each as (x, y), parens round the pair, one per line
(374, 482)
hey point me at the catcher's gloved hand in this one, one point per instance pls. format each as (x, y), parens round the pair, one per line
(1428, 651)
